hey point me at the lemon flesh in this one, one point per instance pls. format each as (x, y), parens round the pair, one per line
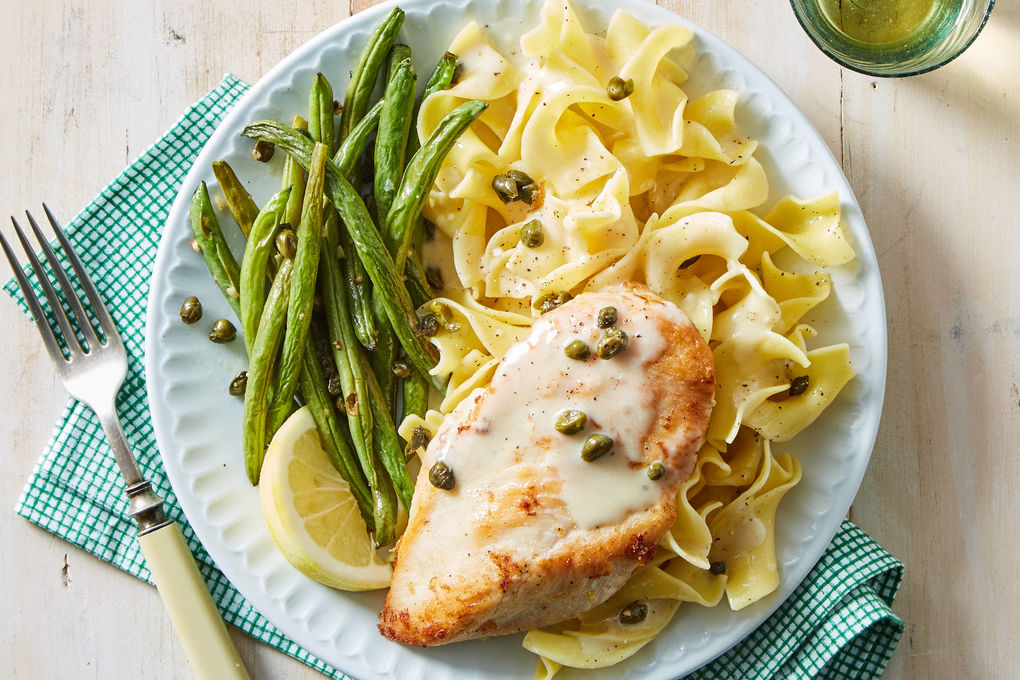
(311, 514)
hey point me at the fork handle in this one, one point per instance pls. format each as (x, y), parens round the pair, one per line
(202, 633)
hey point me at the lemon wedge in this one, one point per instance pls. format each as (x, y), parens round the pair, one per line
(311, 513)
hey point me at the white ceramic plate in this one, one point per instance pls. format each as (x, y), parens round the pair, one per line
(197, 424)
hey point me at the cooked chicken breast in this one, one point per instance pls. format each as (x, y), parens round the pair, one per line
(533, 532)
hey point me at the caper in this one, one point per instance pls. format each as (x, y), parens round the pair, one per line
(263, 151)
(596, 446)
(527, 192)
(612, 342)
(505, 188)
(519, 178)
(286, 242)
(531, 234)
(619, 88)
(430, 230)
(428, 325)
(799, 385)
(333, 385)
(238, 384)
(689, 261)
(458, 72)
(419, 439)
(635, 612)
(222, 331)
(570, 421)
(441, 476)
(607, 317)
(401, 369)
(656, 471)
(434, 278)
(577, 349)
(191, 310)
(551, 301)
(717, 567)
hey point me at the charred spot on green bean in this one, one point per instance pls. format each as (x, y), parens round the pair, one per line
(191, 310)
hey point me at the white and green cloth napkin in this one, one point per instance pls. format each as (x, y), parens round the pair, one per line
(838, 623)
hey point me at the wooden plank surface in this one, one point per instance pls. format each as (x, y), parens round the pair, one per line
(933, 159)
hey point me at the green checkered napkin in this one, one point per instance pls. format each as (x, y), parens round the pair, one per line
(837, 624)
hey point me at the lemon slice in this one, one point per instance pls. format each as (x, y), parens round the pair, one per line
(311, 513)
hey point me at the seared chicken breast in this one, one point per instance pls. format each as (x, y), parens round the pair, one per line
(565, 472)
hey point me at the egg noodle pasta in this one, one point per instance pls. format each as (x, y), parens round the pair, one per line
(658, 188)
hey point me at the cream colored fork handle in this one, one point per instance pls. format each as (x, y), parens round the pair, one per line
(202, 633)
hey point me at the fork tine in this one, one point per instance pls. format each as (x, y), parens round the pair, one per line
(73, 346)
(88, 332)
(33, 304)
(102, 313)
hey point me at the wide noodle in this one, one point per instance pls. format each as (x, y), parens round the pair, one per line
(655, 188)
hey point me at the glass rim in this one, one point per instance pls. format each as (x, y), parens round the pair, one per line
(841, 59)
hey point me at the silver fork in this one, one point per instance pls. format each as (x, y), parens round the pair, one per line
(92, 369)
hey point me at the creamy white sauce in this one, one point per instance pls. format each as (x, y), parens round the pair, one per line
(514, 423)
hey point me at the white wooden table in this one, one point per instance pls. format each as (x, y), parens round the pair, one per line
(935, 162)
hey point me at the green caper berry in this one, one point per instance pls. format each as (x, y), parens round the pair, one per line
(222, 331)
(596, 446)
(619, 88)
(333, 385)
(531, 234)
(717, 567)
(434, 277)
(441, 476)
(656, 471)
(635, 612)
(238, 384)
(527, 192)
(191, 310)
(799, 385)
(577, 349)
(607, 317)
(428, 325)
(286, 242)
(570, 422)
(401, 369)
(505, 188)
(263, 151)
(551, 301)
(612, 342)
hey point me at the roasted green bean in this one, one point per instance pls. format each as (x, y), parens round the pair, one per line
(239, 201)
(215, 252)
(261, 243)
(366, 72)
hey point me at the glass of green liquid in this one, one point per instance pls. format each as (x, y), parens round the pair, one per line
(892, 38)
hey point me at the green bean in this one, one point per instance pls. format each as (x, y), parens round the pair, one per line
(348, 153)
(294, 176)
(358, 293)
(366, 72)
(391, 141)
(261, 242)
(299, 310)
(320, 112)
(240, 202)
(417, 283)
(218, 258)
(260, 371)
(416, 396)
(385, 352)
(387, 444)
(421, 174)
(378, 263)
(313, 391)
(386, 507)
(343, 345)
